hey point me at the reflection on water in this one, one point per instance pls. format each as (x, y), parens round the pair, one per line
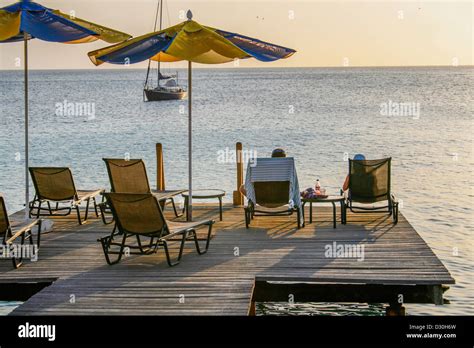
(326, 309)
(8, 306)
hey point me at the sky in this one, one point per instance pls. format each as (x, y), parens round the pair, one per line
(324, 33)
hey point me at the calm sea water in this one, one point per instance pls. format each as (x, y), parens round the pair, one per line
(318, 115)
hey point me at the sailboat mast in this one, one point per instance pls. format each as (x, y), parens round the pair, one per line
(161, 25)
(149, 60)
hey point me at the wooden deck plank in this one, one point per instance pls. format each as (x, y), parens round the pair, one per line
(219, 282)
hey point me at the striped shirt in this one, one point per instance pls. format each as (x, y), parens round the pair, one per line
(273, 169)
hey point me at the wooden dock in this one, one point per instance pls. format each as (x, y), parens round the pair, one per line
(271, 261)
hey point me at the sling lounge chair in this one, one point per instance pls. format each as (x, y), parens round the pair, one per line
(56, 185)
(140, 215)
(369, 183)
(130, 176)
(10, 233)
(272, 189)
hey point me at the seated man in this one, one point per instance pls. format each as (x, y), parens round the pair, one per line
(278, 152)
(358, 157)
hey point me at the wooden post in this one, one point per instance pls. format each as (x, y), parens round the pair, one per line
(237, 197)
(160, 168)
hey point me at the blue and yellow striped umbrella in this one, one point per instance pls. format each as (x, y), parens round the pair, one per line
(27, 20)
(50, 25)
(193, 42)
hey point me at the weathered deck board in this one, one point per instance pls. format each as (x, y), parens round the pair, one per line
(219, 282)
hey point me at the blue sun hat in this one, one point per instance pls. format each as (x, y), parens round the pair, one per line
(359, 157)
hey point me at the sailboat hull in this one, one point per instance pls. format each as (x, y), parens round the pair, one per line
(157, 95)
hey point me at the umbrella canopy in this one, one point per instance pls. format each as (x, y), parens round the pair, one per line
(193, 42)
(51, 25)
(190, 41)
(26, 20)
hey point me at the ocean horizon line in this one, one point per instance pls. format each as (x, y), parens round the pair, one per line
(20, 69)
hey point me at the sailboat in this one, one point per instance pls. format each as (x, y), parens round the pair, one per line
(167, 86)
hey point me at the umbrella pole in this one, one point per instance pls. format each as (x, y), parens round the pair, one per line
(189, 209)
(27, 184)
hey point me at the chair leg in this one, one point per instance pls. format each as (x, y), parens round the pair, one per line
(78, 215)
(106, 246)
(139, 243)
(17, 264)
(346, 206)
(333, 215)
(49, 208)
(209, 234)
(395, 214)
(39, 210)
(95, 206)
(38, 238)
(185, 206)
(196, 242)
(181, 247)
(114, 229)
(31, 207)
(147, 250)
(168, 259)
(102, 207)
(150, 245)
(300, 223)
(82, 221)
(174, 208)
(208, 240)
(87, 208)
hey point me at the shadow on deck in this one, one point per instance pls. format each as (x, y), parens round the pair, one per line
(268, 262)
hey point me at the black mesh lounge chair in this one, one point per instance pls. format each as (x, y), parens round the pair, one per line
(11, 233)
(369, 183)
(140, 215)
(56, 185)
(271, 199)
(130, 176)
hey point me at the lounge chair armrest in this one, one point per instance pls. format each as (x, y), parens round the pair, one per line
(22, 229)
(87, 194)
(394, 199)
(181, 227)
(344, 193)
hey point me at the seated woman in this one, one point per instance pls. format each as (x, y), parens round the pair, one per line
(358, 157)
(278, 152)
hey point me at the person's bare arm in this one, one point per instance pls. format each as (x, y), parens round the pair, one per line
(243, 190)
(346, 184)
